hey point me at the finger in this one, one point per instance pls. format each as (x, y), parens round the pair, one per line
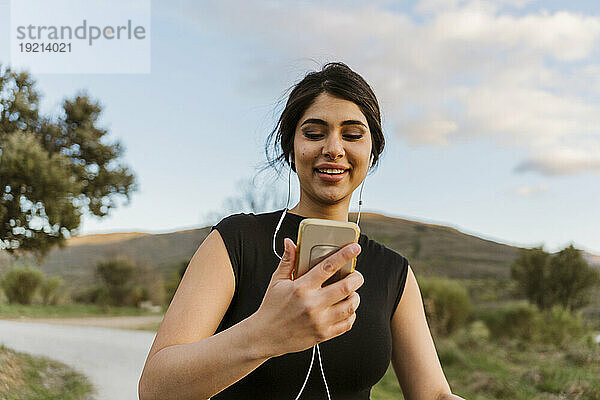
(288, 259)
(341, 289)
(342, 326)
(329, 266)
(343, 309)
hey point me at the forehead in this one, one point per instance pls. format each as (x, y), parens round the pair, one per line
(333, 110)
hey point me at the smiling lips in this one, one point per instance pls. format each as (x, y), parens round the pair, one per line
(331, 174)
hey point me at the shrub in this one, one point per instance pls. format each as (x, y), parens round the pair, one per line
(473, 335)
(116, 275)
(449, 353)
(116, 272)
(91, 295)
(153, 284)
(522, 320)
(512, 320)
(479, 331)
(560, 326)
(136, 295)
(447, 304)
(50, 290)
(21, 284)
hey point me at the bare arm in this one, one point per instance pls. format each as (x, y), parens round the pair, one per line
(185, 361)
(201, 369)
(414, 357)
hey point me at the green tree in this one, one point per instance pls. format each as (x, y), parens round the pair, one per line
(21, 284)
(546, 280)
(116, 275)
(571, 279)
(52, 170)
(530, 271)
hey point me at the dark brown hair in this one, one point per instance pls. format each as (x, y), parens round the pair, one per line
(336, 79)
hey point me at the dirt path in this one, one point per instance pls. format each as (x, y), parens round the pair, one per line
(118, 322)
(112, 358)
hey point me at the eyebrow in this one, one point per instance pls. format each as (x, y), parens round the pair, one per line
(321, 122)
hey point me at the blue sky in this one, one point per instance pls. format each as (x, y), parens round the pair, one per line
(491, 109)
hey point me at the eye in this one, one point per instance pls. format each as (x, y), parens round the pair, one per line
(312, 135)
(354, 133)
(354, 137)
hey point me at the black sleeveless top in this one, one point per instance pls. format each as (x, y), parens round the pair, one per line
(352, 362)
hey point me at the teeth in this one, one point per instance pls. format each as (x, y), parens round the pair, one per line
(331, 171)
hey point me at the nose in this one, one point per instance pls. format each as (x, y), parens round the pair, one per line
(333, 147)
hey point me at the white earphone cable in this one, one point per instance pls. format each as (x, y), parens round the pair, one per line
(278, 256)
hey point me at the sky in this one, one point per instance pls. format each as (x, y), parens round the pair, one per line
(491, 109)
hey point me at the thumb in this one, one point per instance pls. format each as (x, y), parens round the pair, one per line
(286, 265)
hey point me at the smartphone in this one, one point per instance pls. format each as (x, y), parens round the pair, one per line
(318, 239)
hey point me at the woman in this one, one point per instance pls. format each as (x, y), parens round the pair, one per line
(238, 327)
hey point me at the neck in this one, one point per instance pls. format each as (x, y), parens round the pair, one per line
(308, 208)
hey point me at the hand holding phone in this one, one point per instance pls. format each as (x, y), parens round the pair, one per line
(320, 238)
(297, 314)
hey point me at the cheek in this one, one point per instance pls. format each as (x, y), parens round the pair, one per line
(306, 165)
(303, 156)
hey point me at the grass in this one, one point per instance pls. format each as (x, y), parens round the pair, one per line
(23, 376)
(511, 369)
(67, 310)
(387, 388)
(152, 327)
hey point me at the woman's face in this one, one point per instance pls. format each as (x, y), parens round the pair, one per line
(332, 134)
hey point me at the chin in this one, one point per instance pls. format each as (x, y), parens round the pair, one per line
(333, 198)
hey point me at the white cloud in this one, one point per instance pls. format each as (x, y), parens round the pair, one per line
(562, 35)
(530, 190)
(560, 161)
(428, 131)
(437, 6)
(470, 69)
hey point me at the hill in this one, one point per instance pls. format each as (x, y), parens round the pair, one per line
(592, 259)
(431, 250)
(104, 238)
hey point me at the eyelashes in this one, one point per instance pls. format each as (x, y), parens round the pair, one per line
(315, 136)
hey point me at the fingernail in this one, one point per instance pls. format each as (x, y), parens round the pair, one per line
(355, 248)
